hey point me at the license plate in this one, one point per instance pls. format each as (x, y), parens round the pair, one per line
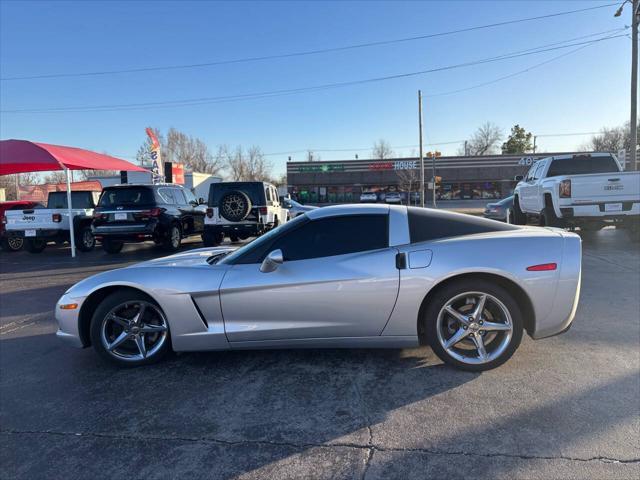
(120, 216)
(613, 207)
(29, 233)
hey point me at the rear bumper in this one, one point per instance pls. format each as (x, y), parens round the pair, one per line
(47, 234)
(565, 303)
(242, 228)
(598, 211)
(132, 233)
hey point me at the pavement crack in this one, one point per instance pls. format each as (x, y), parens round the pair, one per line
(369, 449)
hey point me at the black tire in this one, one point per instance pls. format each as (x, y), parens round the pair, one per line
(212, 239)
(519, 217)
(99, 316)
(173, 239)
(508, 216)
(235, 206)
(443, 295)
(112, 246)
(85, 241)
(34, 245)
(549, 218)
(234, 238)
(12, 244)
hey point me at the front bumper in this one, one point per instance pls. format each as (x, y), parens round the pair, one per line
(68, 321)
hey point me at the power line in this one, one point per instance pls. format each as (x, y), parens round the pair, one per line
(274, 93)
(303, 53)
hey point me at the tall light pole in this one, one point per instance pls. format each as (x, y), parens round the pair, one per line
(421, 153)
(635, 13)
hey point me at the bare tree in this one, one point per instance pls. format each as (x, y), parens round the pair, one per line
(249, 165)
(381, 150)
(485, 140)
(55, 177)
(611, 140)
(8, 182)
(409, 181)
(179, 147)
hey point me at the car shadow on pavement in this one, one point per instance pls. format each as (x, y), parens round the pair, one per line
(251, 409)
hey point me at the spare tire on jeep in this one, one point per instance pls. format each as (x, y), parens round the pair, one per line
(235, 206)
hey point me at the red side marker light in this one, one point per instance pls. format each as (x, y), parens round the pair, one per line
(543, 267)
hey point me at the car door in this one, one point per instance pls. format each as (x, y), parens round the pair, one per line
(198, 211)
(338, 279)
(528, 188)
(186, 211)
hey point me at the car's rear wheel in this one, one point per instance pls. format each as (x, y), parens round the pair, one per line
(112, 246)
(128, 328)
(519, 217)
(173, 239)
(473, 325)
(85, 239)
(35, 245)
(12, 244)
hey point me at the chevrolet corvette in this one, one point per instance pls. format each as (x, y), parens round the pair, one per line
(358, 276)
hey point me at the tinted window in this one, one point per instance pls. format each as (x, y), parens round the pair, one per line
(190, 196)
(327, 237)
(426, 224)
(582, 164)
(127, 196)
(165, 195)
(255, 191)
(78, 200)
(178, 194)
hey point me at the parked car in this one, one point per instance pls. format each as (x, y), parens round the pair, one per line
(164, 213)
(342, 276)
(241, 210)
(584, 190)
(294, 208)
(39, 226)
(393, 197)
(13, 243)
(368, 197)
(502, 210)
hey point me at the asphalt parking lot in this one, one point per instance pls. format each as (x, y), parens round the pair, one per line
(564, 407)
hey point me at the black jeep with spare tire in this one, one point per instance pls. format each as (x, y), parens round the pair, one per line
(241, 210)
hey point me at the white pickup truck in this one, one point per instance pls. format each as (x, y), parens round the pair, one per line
(584, 190)
(51, 224)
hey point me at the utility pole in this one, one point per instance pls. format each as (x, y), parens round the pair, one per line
(534, 143)
(421, 153)
(634, 83)
(433, 184)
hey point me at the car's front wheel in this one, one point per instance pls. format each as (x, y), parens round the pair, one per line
(519, 217)
(474, 325)
(128, 328)
(112, 246)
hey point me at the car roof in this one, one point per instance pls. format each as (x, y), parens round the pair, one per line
(151, 185)
(351, 209)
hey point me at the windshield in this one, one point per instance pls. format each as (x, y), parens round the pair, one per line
(131, 196)
(264, 239)
(78, 200)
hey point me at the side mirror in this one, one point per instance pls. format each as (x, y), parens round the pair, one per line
(518, 178)
(272, 261)
(201, 201)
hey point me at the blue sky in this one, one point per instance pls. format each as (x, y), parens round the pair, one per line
(581, 92)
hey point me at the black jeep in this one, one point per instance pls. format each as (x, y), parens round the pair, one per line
(164, 213)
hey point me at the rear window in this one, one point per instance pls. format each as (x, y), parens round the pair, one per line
(78, 200)
(582, 164)
(426, 224)
(255, 191)
(126, 197)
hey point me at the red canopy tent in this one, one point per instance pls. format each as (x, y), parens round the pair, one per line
(21, 156)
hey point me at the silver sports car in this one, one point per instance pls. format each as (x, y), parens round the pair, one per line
(342, 276)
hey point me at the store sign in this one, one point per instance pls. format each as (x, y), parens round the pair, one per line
(397, 165)
(338, 167)
(527, 161)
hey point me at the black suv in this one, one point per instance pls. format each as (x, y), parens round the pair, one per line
(164, 213)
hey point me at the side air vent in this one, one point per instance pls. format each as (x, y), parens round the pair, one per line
(195, 304)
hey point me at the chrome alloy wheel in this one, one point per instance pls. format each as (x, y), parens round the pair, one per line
(88, 239)
(134, 331)
(234, 205)
(474, 327)
(175, 237)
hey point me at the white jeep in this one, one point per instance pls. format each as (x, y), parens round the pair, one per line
(241, 210)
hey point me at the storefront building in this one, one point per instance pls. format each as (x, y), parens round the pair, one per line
(460, 178)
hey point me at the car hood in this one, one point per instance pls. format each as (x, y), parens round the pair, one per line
(192, 258)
